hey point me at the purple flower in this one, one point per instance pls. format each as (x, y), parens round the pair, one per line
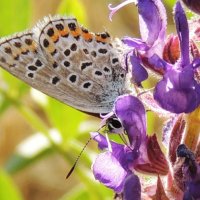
(111, 167)
(178, 91)
(114, 167)
(138, 72)
(152, 29)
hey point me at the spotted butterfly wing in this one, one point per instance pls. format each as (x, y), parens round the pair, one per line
(66, 61)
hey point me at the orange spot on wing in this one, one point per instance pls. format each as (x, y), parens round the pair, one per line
(100, 39)
(87, 36)
(76, 33)
(55, 37)
(50, 48)
(64, 32)
(33, 46)
(16, 56)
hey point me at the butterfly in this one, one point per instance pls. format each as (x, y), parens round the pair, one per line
(64, 60)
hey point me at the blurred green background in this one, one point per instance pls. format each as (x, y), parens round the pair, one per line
(41, 138)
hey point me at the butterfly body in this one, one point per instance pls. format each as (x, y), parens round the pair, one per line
(66, 61)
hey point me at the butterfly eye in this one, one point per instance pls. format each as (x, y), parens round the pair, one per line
(122, 75)
(114, 124)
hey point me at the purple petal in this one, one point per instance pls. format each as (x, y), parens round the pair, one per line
(132, 188)
(136, 43)
(131, 113)
(123, 153)
(183, 33)
(152, 19)
(100, 139)
(109, 171)
(158, 63)
(178, 91)
(139, 73)
(112, 167)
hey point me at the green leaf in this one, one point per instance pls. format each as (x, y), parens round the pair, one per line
(8, 190)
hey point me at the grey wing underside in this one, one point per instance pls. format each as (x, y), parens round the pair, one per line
(52, 71)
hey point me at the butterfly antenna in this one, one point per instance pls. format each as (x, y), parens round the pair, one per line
(77, 159)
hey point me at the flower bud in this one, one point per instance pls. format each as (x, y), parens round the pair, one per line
(171, 52)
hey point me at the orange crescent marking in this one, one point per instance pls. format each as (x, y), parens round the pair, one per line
(64, 32)
(33, 46)
(55, 37)
(76, 33)
(100, 39)
(87, 36)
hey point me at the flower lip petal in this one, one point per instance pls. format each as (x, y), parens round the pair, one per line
(109, 171)
(112, 167)
(178, 92)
